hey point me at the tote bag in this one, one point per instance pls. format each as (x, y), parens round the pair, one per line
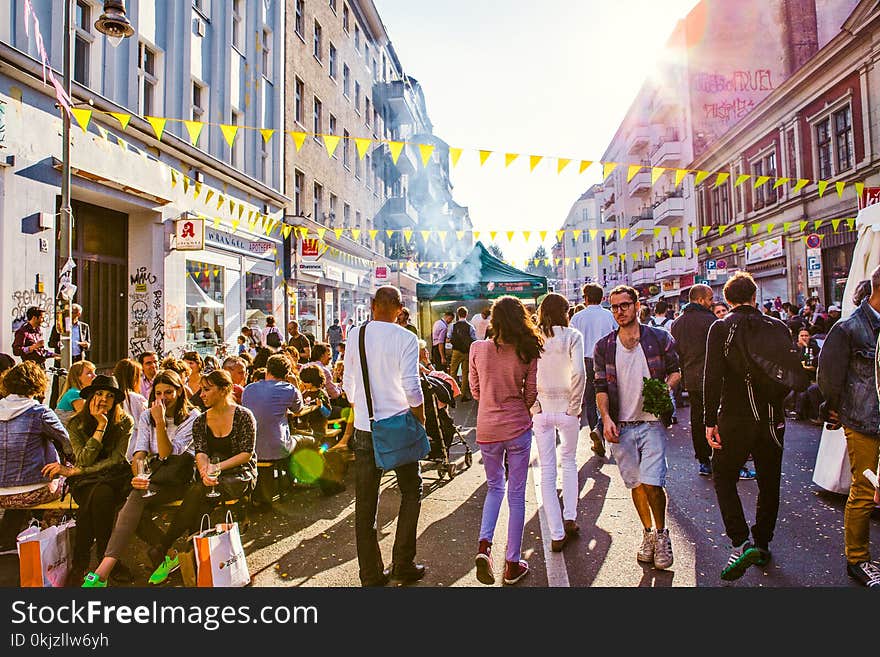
(832, 470)
(45, 555)
(219, 555)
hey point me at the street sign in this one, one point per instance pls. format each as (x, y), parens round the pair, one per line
(189, 234)
(381, 272)
(701, 281)
(712, 274)
(814, 240)
(721, 263)
(710, 265)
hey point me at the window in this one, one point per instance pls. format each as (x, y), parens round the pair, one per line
(333, 5)
(300, 20)
(346, 80)
(266, 53)
(237, 155)
(345, 17)
(843, 134)
(332, 216)
(147, 80)
(238, 24)
(203, 7)
(375, 69)
(357, 37)
(770, 170)
(319, 120)
(346, 150)
(298, 181)
(366, 51)
(318, 206)
(298, 105)
(265, 161)
(317, 41)
(367, 111)
(765, 166)
(792, 155)
(199, 101)
(83, 42)
(346, 215)
(332, 60)
(357, 219)
(721, 204)
(737, 193)
(357, 97)
(332, 127)
(369, 170)
(205, 324)
(357, 168)
(258, 293)
(823, 147)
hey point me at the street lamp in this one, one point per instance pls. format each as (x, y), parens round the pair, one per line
(116, 26)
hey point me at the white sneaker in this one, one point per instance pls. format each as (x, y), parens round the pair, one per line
(646, 551)
(662, 550)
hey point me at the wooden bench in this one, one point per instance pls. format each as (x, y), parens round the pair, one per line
(66, 504)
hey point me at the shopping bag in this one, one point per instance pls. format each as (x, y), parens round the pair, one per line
(44, 555)
(832, 470)
(220, 560)
(187, 559)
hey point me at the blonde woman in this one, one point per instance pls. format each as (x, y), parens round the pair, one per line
(80, 375)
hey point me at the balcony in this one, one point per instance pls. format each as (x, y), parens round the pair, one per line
(398, 213)
(642, 227)
(611, 247)
(642, 275)
(640, 184)
(670, 266)
(669, 211)
(668, 151)
(398, 99)
(638, 140)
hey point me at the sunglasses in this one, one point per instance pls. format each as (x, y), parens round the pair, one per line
(621, 307)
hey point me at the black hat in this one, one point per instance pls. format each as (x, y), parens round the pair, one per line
(102, 382)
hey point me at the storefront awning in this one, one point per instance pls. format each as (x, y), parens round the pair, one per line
(196, 297)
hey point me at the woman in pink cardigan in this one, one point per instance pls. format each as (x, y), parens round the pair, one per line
(503, 380)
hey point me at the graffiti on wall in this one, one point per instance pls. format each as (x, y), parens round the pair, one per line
(145, 312)
(736, 82)
(24, 299)
(174, 328)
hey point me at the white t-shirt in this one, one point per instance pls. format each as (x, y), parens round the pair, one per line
(665, 323)
(393, 364)
(481, 325)
(632, 367)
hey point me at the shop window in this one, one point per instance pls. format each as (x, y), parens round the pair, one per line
(204, 303)
(258, 297)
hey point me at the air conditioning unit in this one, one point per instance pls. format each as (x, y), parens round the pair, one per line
(198, 27)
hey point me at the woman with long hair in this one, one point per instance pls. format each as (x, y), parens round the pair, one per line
(79, 376)
(562, 376)
(99, 436)
(164, 431)
(224, 442)
(128, 375)
(503, 374)
(194, 382)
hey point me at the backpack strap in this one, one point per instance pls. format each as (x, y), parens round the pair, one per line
(364, 370)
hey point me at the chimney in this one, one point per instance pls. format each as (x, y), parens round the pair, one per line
(800, 33)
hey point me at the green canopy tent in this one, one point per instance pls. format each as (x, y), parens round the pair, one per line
(480, 276)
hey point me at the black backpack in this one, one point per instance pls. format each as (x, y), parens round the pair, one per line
(768, 360)
(273, 337)
(461, 336)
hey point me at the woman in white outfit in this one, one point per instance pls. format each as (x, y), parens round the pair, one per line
(128, 376)
(561, 381)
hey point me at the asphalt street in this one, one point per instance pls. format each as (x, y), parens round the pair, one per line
(308, 540)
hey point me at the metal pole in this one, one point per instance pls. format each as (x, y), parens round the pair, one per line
(66, 237)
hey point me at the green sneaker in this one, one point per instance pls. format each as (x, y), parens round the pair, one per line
(92, 581)
(740, 559)
(165, 568)
(764, 556)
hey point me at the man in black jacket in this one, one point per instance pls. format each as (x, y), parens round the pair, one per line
(690, 331)
(740, 419)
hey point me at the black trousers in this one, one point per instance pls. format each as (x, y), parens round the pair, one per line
(702, 451)
(195, 504)
(366, 506)
(439, 365)
(98, 504)
(741, 435)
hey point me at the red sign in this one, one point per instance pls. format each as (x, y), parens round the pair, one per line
(814, 241)
(310, 248)
(381, 272)
(869, 196)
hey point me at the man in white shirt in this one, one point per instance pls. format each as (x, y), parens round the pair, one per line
(660, 320)
(481, 323)
(594, 323)
(438, 340)
(393, 367)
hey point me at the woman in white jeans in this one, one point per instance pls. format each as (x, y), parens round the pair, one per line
(561, 381)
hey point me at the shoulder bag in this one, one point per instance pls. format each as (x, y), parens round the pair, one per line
(174, 470)
(399, 439)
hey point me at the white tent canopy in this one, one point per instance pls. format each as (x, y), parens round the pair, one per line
(196, 297)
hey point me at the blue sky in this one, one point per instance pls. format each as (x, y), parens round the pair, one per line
(545, 78)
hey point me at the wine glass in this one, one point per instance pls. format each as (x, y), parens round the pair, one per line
(144, 472)
(213, 472)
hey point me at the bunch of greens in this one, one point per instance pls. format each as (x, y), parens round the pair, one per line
(657, 399)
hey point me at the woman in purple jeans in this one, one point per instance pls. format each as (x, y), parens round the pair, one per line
(503, 380)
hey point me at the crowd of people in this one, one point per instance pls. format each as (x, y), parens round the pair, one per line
(610, 369)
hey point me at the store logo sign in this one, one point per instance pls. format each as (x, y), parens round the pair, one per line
(189, 234)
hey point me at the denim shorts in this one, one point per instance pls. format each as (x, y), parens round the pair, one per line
(641, 454)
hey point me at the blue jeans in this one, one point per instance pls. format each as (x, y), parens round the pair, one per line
(366, 506)
(517, 451)
(334, 349)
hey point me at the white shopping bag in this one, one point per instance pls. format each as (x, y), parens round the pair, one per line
(219, 555)
(832, 470)
(44, 555)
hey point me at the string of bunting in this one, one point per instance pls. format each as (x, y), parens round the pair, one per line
(331, 142)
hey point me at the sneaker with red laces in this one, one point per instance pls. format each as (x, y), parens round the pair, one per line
(515, 571)
(485, 574)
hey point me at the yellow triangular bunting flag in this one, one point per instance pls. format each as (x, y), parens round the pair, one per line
(321, 232)
(459, 234)
(761, 180)
(185, 184)
(623, 232)
(585, 164)
(484, 155)
(840, 186)
(786, 226)
(679, 176)
(510, 235)
(821, 184)
(338, 232)
(801, 183)
(534, 160)
(330, 143)
(721, 178)
(835, 224)
(817, 224)
(492, 234)
(362, 145)
(851, 223)
(593, 232)
(299, 138)
(476, 234)
(632, 170)
(803, 225)
(229, 132)
(407, 234)
(220, 201)
(158, 124)
(559, 235)
(454, 154)
(122, 118)
(542, 234)
(395, 147)
(267, 134)
(82, 116)
(860, 187)
(656, 172)
(721, 229)
(740, 179)
(509, 158)
(426, 150)
(700, 177)
(194, 128)
(770, 227)
(426, 234)
(561, 163)
(607, 169)
(526, 235)
(355, 233)
(780, 182)
(576, 234)
(372, 232)
(173, 178)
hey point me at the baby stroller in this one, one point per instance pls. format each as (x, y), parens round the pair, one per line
(442, 432)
